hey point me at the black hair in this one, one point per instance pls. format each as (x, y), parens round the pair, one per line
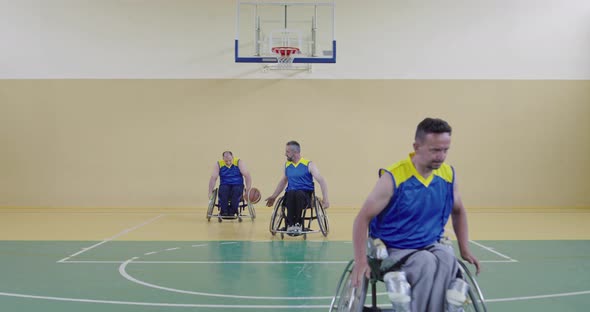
(295, 144)
(431, 125)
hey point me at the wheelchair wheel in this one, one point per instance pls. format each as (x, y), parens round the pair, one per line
(277, 217)
(251, 211)
(347, 298)
(211, 204)
(322, 217)
(476, 301)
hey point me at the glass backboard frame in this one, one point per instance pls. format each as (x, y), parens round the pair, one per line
(256, 20)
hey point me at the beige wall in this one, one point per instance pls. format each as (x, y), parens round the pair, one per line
(376, 39)
(152, 143)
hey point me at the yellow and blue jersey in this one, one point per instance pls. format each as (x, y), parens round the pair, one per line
(416, 215)
(231, 174)
(298, 175)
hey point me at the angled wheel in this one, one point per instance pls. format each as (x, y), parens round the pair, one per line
(211, 204)
(277, 217)
(347, 298)
(476, 301)
(322, 217)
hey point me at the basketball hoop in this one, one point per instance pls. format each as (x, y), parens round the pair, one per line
(285, 56)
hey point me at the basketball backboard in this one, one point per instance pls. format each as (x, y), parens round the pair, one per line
(264, 25)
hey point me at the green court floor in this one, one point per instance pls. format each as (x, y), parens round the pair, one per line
(290, 275)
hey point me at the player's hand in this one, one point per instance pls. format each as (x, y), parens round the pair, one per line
(270, 201)
(467, 256)
(325, 203)
(361, 269)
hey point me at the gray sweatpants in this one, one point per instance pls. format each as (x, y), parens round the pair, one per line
(429, 273)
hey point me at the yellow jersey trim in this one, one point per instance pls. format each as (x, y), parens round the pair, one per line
(404, 170)
(234, 163)
(301, 161)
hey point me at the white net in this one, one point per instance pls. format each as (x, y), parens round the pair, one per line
(285, 56)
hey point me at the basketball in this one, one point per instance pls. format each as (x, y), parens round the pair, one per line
(254, 196)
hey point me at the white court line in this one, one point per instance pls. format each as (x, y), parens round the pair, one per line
(540, 296)
(209, 262)
(508, 259)
(174, 248)
(148, 253)
(220, 306)
(161, 304)
(130, 278)
(493, 251)
(495, 261)
(200, 245)
(235, 262)
(93, 261)
(111, 238)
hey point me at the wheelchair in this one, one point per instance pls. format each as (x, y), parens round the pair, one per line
(244, 203)
(351, 299)
(278, 221)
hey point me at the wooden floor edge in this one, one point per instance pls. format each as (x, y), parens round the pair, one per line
(262, 209)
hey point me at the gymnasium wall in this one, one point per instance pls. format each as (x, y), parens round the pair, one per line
(128, 104)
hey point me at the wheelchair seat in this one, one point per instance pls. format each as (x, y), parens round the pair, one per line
(313, 211)
(350, 299)
(244, 203)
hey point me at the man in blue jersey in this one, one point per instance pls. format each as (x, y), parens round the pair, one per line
(231, 172)
(408, 210)
(298, 177)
